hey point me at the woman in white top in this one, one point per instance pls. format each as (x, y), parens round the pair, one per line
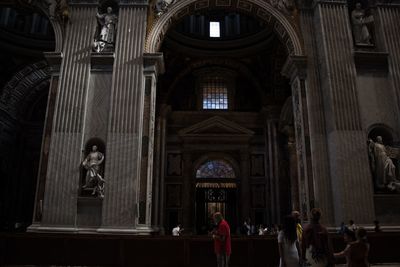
(288, 244)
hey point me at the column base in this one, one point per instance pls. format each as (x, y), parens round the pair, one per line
(37, 228)
(141, 230)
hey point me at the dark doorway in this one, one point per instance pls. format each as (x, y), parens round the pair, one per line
(212, 198)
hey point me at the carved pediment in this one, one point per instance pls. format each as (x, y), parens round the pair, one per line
(216, 126)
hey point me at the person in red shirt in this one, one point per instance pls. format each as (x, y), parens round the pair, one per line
(222, 240)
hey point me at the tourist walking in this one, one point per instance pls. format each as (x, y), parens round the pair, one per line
(222, 240)
(316, 249)
(288, 244)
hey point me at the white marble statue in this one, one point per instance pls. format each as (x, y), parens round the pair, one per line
(383, 169)
(94, 180)
(359, 22)
(105, 39)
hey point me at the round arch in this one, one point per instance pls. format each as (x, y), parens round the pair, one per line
(24, 88)
(22, 113)
(280, 23)
(216, 156)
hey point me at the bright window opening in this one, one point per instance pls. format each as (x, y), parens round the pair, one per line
(215, 94)
(214, 29)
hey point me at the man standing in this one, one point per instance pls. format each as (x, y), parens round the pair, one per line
(222, 240)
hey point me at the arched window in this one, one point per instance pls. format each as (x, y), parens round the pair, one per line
(215, 169)
(215, 93)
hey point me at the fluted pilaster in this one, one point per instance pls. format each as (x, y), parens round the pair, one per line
(349, 170)
(390, 20)
(65, 148)
(316, 121)
(124, 132)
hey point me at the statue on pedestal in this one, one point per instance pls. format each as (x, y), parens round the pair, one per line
(359, 22)
(104, 39)
(94, 180)
(382, 166)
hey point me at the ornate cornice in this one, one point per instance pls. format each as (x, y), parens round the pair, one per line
(154, 62)
(295, 66)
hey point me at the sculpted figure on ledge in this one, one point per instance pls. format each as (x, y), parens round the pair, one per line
(94, 181)
(104, 39)
(360, 22)
(382, 166)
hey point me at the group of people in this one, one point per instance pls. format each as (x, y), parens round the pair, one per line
(310, 246)
(250, 229)
(298, 246)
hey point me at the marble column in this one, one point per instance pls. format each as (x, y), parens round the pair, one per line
(351, 181)
(316, 118)
(163, 134)
(294, 69)
(294, 182)
(153, 65)
(273, 167)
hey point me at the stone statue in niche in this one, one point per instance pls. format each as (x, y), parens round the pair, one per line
(104, 39)
(360, 22)
(382, 166)
(161, 6)
(92, 164)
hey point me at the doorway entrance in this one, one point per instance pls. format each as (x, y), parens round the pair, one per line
(216, 191)
(215, 197)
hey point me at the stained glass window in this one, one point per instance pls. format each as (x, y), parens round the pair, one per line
(215, 94)
(215, 169)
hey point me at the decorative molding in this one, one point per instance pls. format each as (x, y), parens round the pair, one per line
(224, 126)
(174, 164)
(371, 60)
(295, 66)
(288, 30)
(54, 59)
(154, 62)
(102, 61)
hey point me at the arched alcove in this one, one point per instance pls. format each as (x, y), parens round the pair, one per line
(23, 103)
(240, 72)
(101, 147)
(381, 130)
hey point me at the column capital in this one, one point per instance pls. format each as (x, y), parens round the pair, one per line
(153, 63)
(295, 66)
